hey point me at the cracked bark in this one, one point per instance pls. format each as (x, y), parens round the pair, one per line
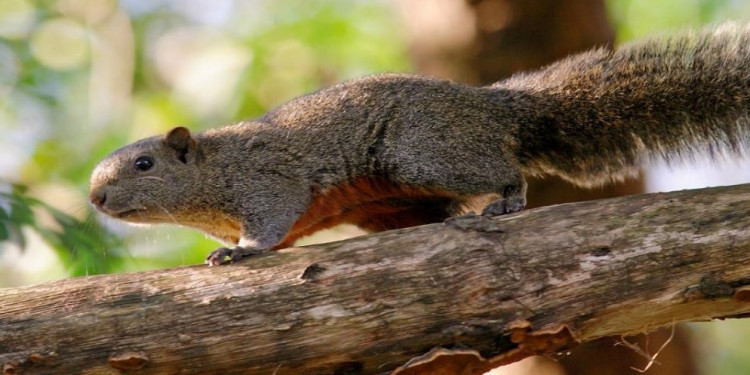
(497, 286)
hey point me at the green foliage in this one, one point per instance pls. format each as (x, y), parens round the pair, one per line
(641, 18)
(83, 244)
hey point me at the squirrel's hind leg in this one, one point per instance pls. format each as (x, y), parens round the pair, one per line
(467, 171)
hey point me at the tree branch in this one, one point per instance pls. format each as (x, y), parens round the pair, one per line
(496, 288)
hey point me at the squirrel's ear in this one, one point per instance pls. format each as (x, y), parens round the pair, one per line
(180, 141)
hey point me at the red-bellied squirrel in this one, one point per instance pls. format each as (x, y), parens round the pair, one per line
(391, 151)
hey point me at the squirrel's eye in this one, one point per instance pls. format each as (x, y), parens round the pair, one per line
(144, 163)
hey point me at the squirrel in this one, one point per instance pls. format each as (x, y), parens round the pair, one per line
(394, 150)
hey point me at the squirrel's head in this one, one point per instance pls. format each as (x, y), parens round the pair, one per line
(145, 182)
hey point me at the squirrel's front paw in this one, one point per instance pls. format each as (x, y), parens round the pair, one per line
(504, 206)
(224, 255)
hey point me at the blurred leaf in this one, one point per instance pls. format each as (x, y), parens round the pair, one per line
(85, 246)
(4, 223)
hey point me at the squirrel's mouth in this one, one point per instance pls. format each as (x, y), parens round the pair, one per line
(128, 213)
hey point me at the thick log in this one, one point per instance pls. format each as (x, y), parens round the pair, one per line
(541, 280)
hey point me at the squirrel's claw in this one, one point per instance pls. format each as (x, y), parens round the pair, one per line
(224, 255)
(504, 206)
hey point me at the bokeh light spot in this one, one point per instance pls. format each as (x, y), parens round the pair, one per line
(17, 17)
(60, 44)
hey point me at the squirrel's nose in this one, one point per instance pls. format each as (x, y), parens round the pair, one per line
(98, 197)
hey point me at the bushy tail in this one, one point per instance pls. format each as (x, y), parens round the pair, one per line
(596, 116)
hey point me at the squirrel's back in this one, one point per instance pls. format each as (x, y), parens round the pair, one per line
(597, 115)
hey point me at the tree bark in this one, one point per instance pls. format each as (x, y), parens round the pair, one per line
(539, 281)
